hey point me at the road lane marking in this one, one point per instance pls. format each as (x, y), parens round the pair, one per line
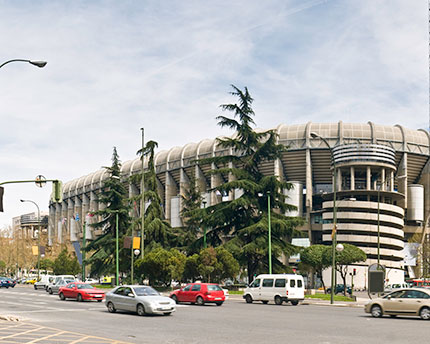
(20, 334)
(46, 337)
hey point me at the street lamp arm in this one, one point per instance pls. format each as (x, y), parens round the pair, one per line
(39, 64)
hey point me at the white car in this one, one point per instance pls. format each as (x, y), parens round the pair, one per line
(141, 299)
(226, 293)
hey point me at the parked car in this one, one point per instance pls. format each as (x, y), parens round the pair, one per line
(6, 282)
(55, 288)
(340, 289)
(394, 286)
(276, 287)
(81, 291)
(226, 293)
(30, 280)
(405, 302)
(140, 299)
(199, 293)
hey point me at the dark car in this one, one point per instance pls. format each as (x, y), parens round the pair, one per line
(340, 288)
(6, 282)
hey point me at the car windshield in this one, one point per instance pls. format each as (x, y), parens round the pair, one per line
(145, 291)
(85, 286)
(213, 287)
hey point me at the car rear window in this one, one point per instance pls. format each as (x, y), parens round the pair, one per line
(214, 287)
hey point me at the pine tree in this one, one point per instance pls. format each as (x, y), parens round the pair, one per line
(246, 218)
(114, 196)
(157, 229)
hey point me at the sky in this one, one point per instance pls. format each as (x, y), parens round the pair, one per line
(117, 66)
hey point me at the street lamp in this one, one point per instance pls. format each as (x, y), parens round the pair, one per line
(204, 227)
(38, 235)
(39, 64)
(269, 227)
(333, 233)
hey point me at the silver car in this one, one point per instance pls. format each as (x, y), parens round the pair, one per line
(140, 299)
(55, 288)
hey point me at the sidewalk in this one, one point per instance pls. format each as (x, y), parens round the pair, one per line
(359, 303)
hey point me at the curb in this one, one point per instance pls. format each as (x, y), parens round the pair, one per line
(10, 318)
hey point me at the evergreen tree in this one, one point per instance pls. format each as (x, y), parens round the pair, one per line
(64, 264)
(246, 217)
(114, 196)
(157, 229)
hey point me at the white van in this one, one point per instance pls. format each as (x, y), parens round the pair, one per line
(277, 288)
(43, 281)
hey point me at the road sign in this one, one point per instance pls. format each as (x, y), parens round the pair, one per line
(40, 181)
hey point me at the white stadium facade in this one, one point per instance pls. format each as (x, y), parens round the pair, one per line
(382, 186)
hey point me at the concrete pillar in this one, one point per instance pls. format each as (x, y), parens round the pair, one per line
(339, 179)
(51, 222)
(392, 180)
(215, 181)
(352, 171)
(383, 179)
(78, 211)
(57, 234)
(368, 178)
(309, 192)
(403, 182)
(170, 191)
(184, 186)
(70, 210)
(201, 183)
(85, 206)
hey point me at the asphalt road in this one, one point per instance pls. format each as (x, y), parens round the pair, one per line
(234, 322)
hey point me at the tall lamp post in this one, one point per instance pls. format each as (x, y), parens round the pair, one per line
(39, 64)
(269, 210)
(142, 200)
(204, 227)
(38, 235)
(333, 233)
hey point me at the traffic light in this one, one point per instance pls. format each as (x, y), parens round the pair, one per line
(1, 198)
(355, 271)
(57, 191)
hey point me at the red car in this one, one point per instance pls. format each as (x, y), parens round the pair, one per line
(199, 293)
(81, 291)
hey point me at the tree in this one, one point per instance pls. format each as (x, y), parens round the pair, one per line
(161, 266)
(349, 255)
(157, 229)
(211, 265)
(114, 196)
(64, 264)
(46, 264)
(246, 217)
(313, 257)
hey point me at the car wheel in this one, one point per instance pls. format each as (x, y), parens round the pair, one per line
(79, 298)
(200, 301)
(174, 298)
(50, 291)
(167, 313)
(140, 309)
(111, 307)
(62, 297)
(425, 313)
(265, 302)
(376, 311)
(278, 300)
(248, 298)
(219, 303)
(294, 302)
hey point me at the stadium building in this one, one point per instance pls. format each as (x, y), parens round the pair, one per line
(382, 187)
